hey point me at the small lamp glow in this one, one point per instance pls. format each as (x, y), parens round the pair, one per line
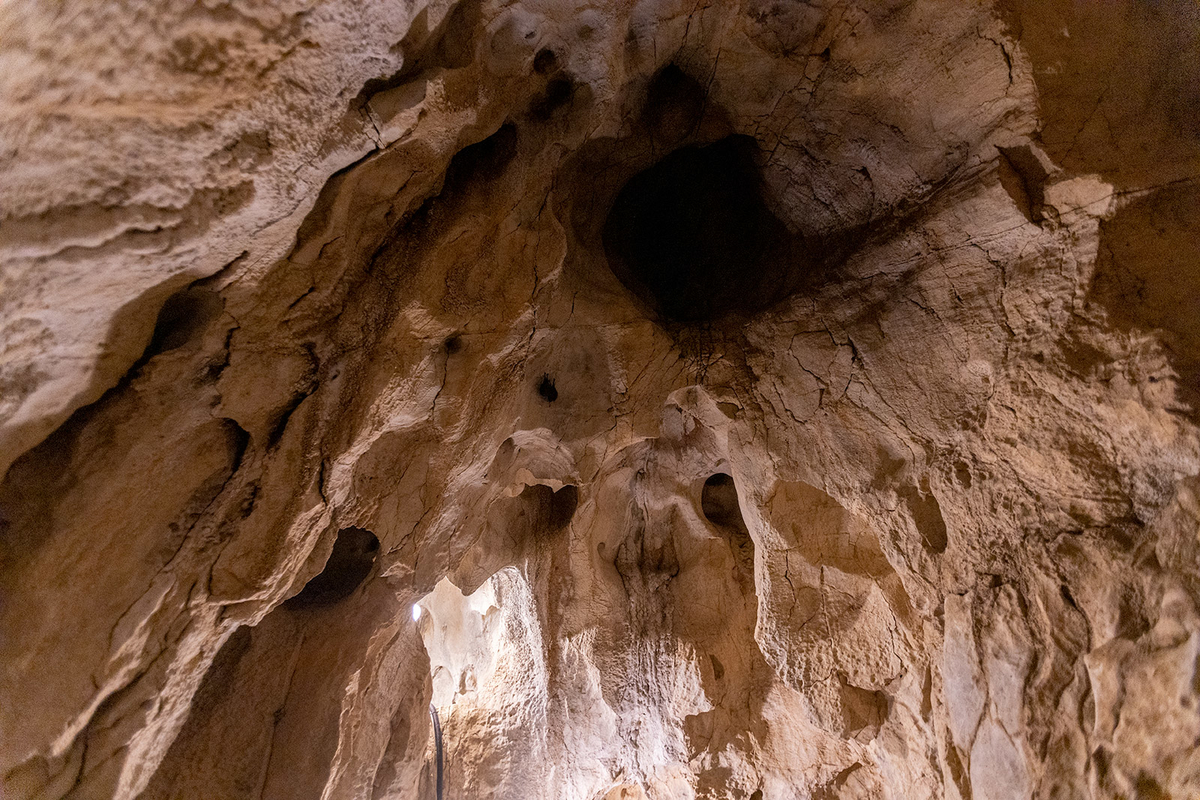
(416, 612)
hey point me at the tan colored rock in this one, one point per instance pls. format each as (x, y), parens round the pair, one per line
(761, 400)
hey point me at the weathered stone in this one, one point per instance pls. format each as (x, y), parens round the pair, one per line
(759, 400)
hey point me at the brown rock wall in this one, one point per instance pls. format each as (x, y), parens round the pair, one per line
(762, 400)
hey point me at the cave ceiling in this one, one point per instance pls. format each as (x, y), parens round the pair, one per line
(759, 399)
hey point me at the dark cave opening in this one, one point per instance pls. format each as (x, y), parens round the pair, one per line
(483, 161)
(348, 566)
(693, 236)
(547, 390)
(719, 501)
(720, 506)
(182, 317)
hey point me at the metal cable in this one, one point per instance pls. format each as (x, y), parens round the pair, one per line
(437, 745)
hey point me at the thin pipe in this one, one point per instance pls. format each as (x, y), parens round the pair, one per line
(437, 746)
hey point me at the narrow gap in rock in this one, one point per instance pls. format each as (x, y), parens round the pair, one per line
(279, 425)
(484, 664)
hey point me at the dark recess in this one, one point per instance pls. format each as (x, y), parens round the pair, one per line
(549, 511)
(449, 46)
(719, 504)
(694, 238)
(181, 317)
(483, 161)
(546, 389)
(927, 516)
(279, 425)
(674, 106)
(1148, 279)
(563, 504)
(556, 95)
(348, 566)
(719, 501)
(545, 62)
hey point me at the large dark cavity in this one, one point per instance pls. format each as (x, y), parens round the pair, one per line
(348, 566)
(550, 511)
(547, 390)
(693, 236)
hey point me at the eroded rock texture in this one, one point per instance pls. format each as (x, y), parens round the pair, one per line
(786, 399)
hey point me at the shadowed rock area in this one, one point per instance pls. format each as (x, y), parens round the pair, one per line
(754, 400)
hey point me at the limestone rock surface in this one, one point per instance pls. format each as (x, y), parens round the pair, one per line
(755, 399)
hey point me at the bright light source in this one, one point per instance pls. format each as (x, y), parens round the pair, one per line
(416, 612)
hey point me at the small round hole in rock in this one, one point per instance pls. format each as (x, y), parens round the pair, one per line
(348, 566)
(547, 390)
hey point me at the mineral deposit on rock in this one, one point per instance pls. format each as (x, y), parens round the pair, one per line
(744, 400)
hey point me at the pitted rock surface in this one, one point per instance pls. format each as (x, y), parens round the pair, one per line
(763, 399)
